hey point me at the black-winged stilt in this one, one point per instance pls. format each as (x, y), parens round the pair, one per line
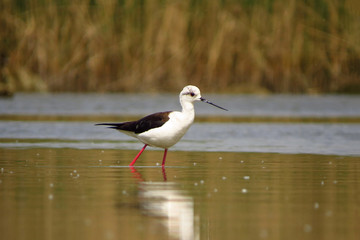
(163, 129)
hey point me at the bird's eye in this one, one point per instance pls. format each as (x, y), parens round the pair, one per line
(192, 94)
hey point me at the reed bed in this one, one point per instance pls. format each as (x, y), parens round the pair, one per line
(274, 46)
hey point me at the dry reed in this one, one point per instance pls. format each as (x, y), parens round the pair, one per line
(234, 46)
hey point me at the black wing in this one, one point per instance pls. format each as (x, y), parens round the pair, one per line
(151, 121)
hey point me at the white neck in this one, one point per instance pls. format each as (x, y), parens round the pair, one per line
(187, 108)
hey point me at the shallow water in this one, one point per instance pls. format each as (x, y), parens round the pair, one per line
(315, 138)
(143, 104)
(223, 180)
(63, 193)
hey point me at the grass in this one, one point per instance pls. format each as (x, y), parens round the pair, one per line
(161, 45)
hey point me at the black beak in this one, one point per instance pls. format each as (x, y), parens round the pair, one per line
(206, 101)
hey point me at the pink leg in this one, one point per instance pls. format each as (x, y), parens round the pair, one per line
(164, 158)
(164, 173)
(138, 155)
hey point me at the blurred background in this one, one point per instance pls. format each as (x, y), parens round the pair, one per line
(224, 46)
(282, 163)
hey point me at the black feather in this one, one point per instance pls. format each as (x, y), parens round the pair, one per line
(144, 124)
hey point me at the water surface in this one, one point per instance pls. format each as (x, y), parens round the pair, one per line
(315, 138)
(144, 104)
(65, 193)
(226, 179)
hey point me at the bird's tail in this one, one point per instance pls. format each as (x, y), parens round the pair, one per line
(118, 126)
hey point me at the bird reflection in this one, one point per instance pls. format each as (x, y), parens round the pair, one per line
(139, 177)
(170, 205)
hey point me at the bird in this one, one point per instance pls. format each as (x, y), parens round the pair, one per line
(163, 129)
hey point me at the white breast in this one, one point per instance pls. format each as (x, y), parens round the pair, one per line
(169, 133)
